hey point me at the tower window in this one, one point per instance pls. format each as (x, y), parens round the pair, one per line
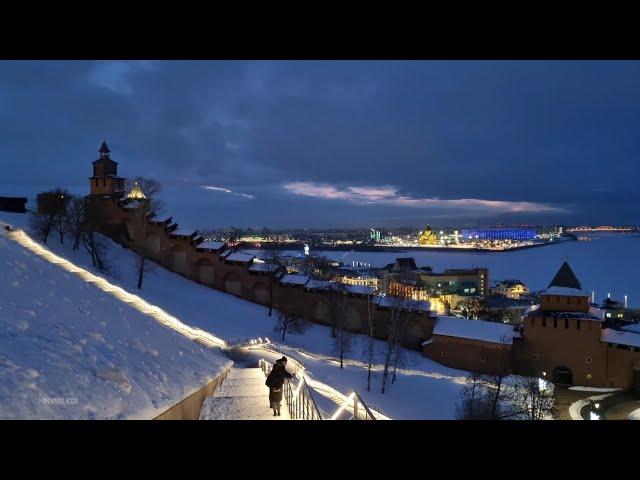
(536, 356)
(544, 322)
(578, 324)
(555, 323)
(566, 323)
(588, 359)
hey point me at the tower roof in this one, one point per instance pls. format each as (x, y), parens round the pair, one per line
(104, 148)
(565, 278)
(136, 192)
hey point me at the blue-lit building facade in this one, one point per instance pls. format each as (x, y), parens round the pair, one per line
(507, 233)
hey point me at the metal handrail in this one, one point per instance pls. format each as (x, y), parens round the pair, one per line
(368, 415)
(301, 404)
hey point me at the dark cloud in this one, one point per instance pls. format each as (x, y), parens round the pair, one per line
(465, 141)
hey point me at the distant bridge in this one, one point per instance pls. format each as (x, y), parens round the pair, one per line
(602, 228)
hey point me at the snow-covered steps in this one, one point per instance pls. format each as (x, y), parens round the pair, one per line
(245, 373)
(242, 396)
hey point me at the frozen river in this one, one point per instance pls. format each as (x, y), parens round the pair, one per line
(605, 263)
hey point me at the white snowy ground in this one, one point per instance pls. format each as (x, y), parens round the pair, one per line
(71, 351)
(423, 390)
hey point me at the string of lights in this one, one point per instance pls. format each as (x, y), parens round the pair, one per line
(201, 336)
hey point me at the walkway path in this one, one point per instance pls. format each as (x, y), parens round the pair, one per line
(242, 396)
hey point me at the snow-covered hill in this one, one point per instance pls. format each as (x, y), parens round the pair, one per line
(71, 351)
(424, 389)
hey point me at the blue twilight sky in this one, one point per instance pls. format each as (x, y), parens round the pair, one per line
(336, 143)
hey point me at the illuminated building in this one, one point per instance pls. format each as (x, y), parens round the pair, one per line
(511, 233)
(510, 288)
(362, 279)
(136, 193)
(428, 237)
(464, 282)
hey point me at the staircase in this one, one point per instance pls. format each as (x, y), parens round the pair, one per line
(242, 396)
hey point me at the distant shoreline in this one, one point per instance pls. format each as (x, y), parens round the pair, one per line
(371, 248)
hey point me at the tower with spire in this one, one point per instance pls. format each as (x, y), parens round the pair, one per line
(565, 293)
(105, 179)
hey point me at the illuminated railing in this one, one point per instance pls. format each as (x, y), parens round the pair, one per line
(300, 398)
(302, 405)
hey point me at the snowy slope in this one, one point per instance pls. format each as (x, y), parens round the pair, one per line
(71, 351)
(423, 390)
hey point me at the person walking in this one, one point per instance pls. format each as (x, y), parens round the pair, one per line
(275, 381)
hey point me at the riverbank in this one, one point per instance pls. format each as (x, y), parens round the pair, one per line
(380, 248)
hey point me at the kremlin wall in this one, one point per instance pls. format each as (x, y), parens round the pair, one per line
(564, 339)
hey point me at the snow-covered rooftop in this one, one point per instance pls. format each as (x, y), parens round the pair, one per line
(565, 292)
(263, 267)
(240, 257)
(315, 284)
(71, 351)
(402, 303)
(632, 328)
(475, 330)
(360, 289)
(294, 279)
(132, 205)
(631, 339)
(184, 232)
(211, 245)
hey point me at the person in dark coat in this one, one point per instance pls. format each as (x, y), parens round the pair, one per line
(275, 382)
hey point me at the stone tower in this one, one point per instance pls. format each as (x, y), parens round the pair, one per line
(105, 179)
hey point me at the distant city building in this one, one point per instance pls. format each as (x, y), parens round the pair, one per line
(473, 281)
(351, 277)
(511, 233)
(510, 289)
(13, 204)
(428, 237)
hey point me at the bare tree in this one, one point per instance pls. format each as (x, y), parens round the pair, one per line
(144, 209)
(40, 225)
(93, 243)
(336, 295)
(234, 236)
(272, 257)
(60, 218)
(343, 339)
(371, 345)
(492, 399)
(393, 332)
(473, 403)
(51, 214)
(471, 308)
(533, 398)
(76, 214)
(288, 321)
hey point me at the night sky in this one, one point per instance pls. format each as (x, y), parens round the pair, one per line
(344, 143)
